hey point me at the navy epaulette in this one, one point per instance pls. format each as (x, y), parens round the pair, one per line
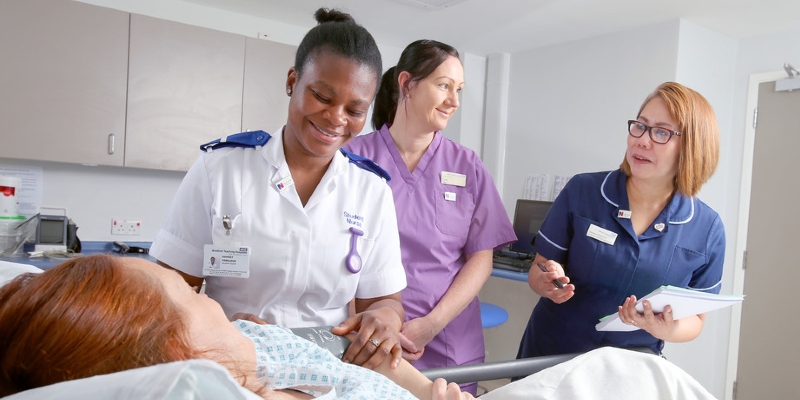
(244, 139)
(367, 164)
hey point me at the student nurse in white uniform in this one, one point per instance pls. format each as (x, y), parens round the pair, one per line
(299, 227)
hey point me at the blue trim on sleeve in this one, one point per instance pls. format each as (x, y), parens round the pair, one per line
(244, 139)
(367, 164)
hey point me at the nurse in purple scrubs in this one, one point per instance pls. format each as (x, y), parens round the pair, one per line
(449, 213)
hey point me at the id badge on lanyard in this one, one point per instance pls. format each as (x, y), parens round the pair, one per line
(228, 258)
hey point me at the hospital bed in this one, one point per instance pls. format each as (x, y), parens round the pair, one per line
(601, 374)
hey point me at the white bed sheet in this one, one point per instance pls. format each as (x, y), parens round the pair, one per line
(606, 373)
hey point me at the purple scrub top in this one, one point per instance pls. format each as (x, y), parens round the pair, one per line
(439, 225)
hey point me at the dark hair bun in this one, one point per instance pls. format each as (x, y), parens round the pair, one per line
(324, 15)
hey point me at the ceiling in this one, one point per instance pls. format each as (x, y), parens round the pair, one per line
(483, 27)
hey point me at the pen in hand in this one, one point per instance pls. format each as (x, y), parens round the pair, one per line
(555, 281)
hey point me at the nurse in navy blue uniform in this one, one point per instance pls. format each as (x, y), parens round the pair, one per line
(612, 237)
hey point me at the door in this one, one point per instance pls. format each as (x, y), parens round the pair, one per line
(769, 355)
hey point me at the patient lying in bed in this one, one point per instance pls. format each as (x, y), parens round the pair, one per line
(101, 315)
(105, 327)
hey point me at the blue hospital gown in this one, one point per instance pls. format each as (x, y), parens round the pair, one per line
(286, 361)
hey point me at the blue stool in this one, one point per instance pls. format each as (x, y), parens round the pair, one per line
(492, 315)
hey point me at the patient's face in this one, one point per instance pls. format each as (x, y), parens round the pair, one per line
(207, 324)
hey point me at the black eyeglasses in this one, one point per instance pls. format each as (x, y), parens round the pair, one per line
(658, 135)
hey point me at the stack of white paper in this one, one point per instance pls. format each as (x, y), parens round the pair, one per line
(684, 302)
(544, 187)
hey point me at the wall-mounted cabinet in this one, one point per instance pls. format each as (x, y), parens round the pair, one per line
(184, 89)
(62, 81)
(87, 84)
(266, 67)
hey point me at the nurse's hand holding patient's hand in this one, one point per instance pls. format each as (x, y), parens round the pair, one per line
(377, 331)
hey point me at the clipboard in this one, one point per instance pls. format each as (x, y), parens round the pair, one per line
(684, 302)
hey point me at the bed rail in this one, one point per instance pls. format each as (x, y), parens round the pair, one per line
(503, 369)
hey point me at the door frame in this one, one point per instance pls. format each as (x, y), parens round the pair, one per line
(743, 221)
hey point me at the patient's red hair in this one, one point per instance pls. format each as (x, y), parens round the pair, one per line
(85, 317)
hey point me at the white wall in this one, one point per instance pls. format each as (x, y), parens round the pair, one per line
(569, 103)
(95, 195)
(704, 64)
(466, 126)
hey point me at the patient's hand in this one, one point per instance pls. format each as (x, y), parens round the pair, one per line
(248, 317)
(411, 352)
(418, 332)
(444, 391)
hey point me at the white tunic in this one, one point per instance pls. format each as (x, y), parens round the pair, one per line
(298, 276)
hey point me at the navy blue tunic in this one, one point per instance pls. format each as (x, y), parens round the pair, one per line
(686, 251)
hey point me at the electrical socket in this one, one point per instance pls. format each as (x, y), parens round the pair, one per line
(121, 226)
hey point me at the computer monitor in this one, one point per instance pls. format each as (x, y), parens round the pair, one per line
(51, 233)
(528, 217)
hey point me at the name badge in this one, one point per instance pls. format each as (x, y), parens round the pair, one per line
(455, 179)
(226, 260)
(449, 196)
(603, 235)
(284, 183)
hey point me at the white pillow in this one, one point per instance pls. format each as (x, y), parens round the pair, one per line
(181, 380)
(9, 271)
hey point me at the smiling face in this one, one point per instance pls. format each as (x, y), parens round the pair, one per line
(328, 105)
(649, 160)
(435, 98)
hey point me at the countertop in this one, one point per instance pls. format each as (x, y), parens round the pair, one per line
(513, 275)
(87, 248)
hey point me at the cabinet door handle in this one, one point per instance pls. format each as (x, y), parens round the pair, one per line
(110, 143)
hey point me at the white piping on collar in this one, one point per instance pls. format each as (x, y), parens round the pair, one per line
(603, 193)
(691, 215)
(603, 190)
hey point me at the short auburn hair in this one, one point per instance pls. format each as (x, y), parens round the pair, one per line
(697, 123)
(85, 317)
